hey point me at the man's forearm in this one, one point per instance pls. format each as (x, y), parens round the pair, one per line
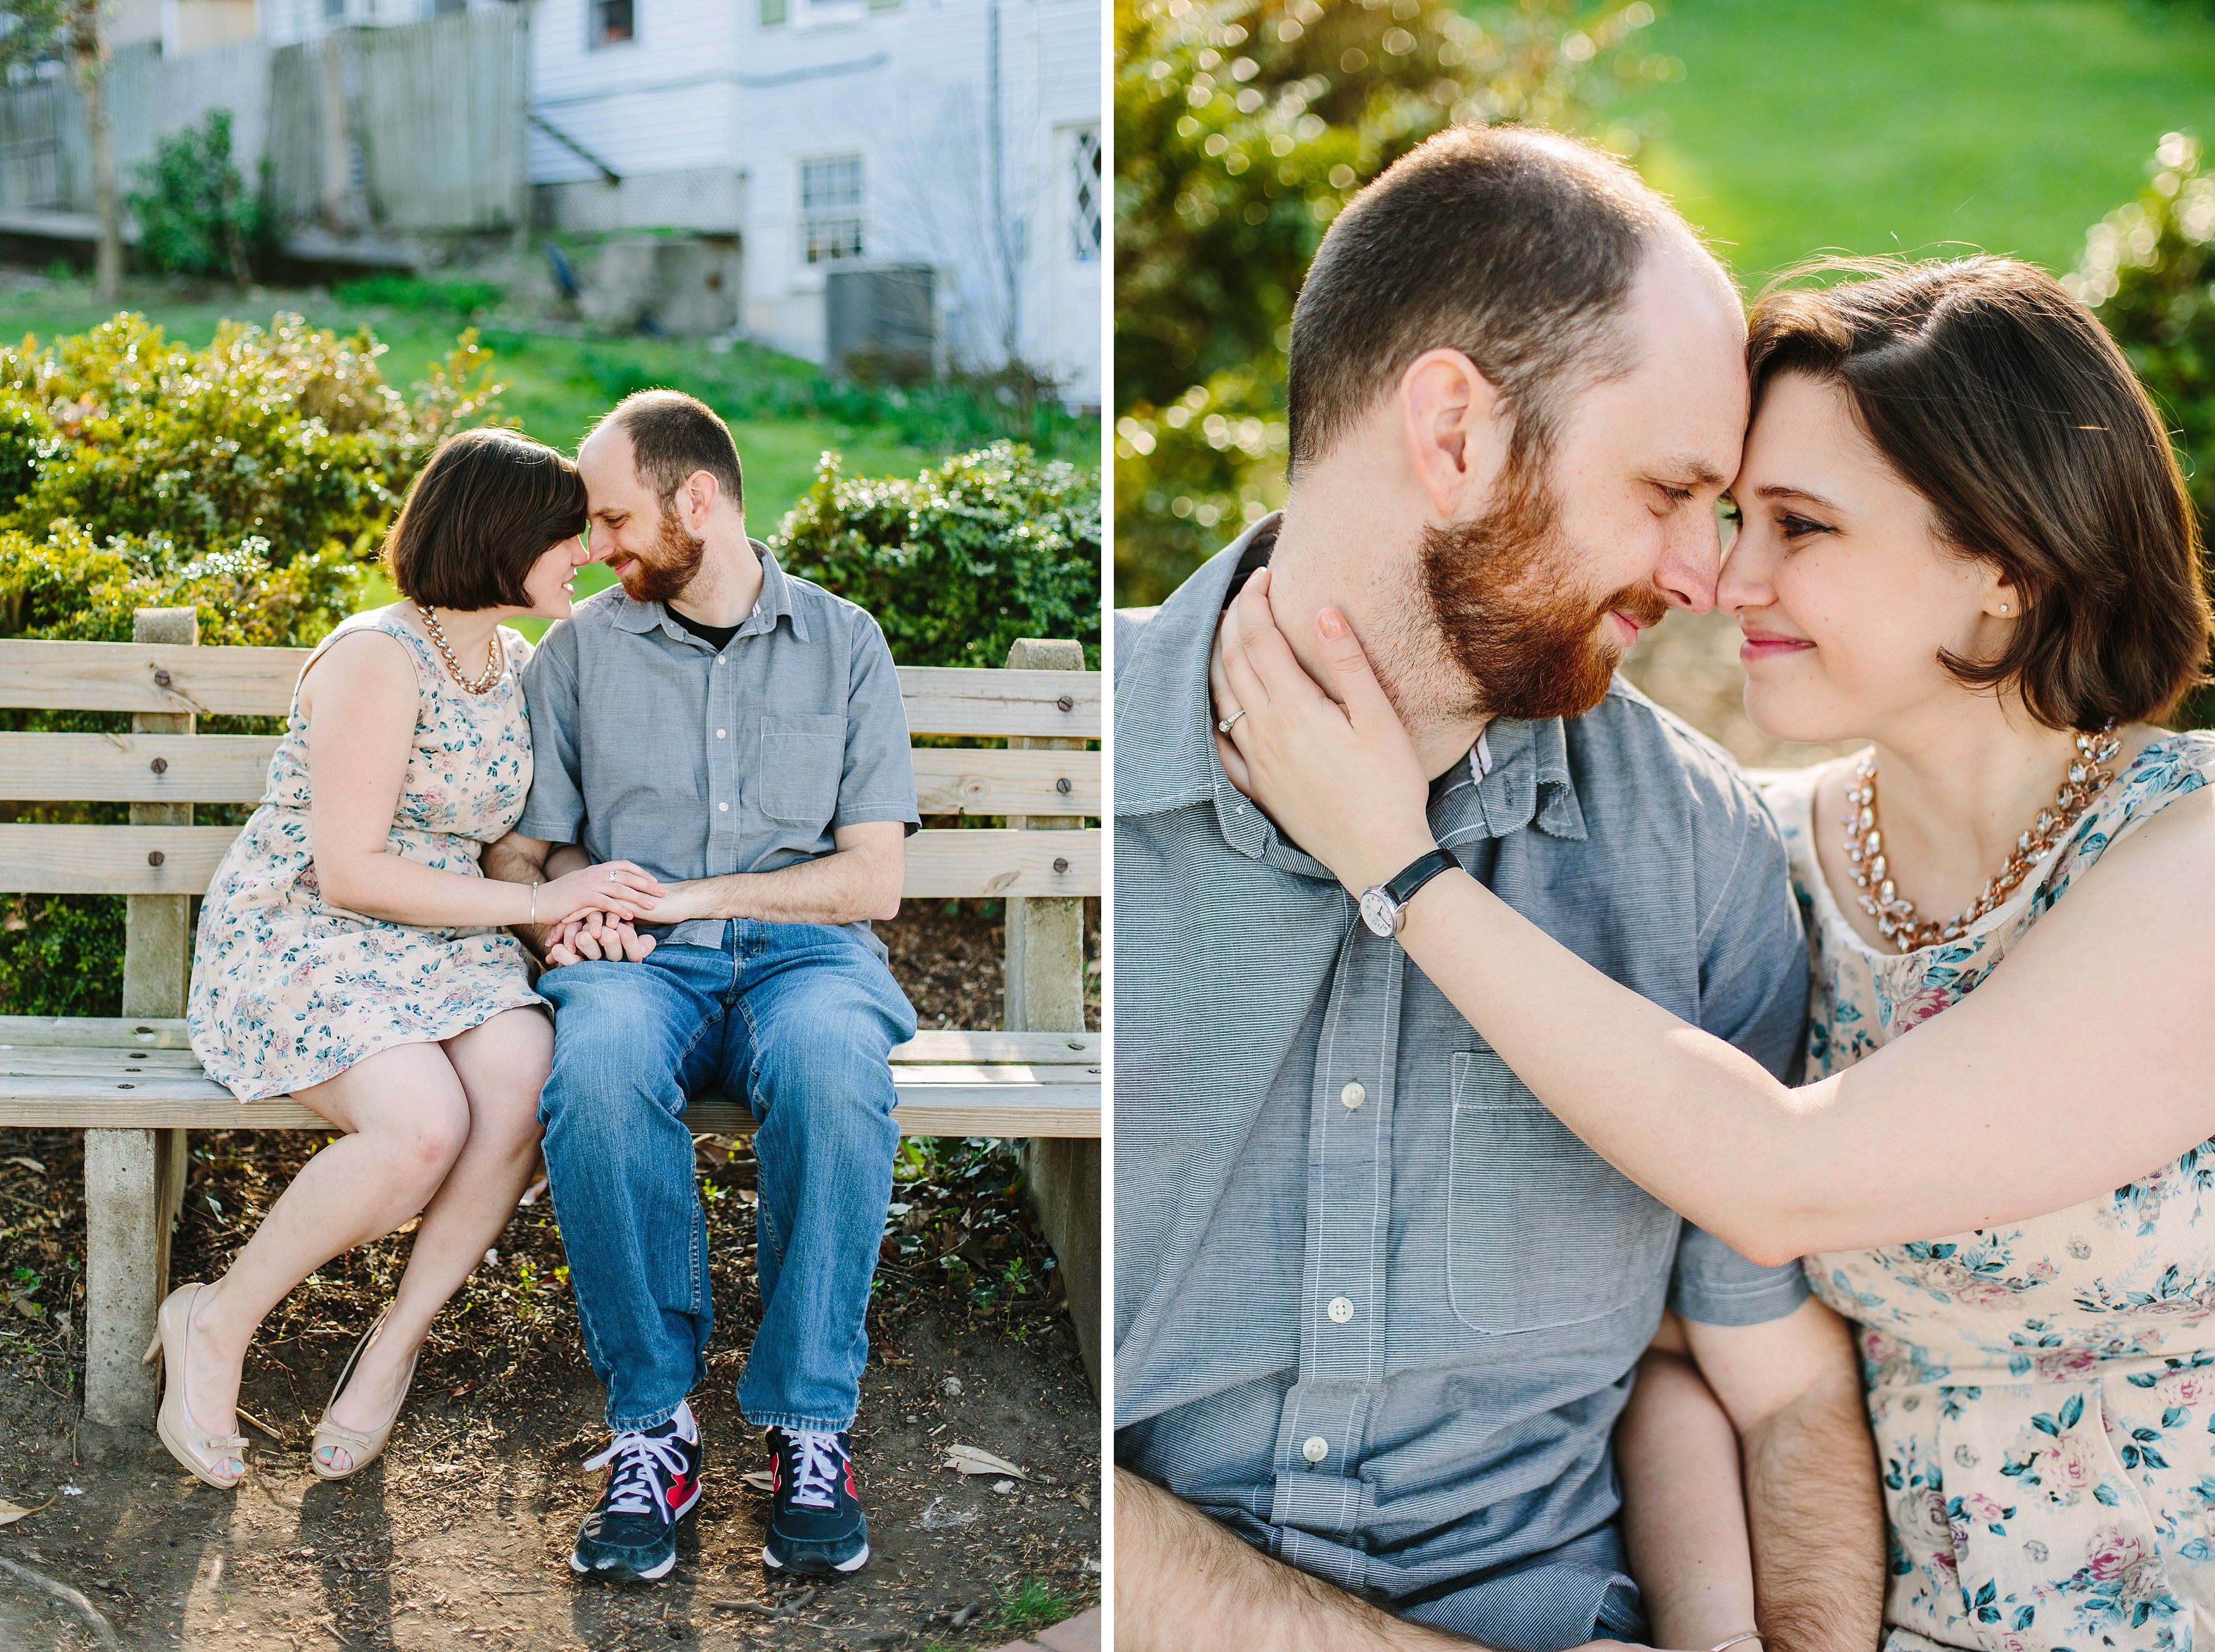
(1818, 1524)
(1184, 1582)
(839, 887)
(512, 863)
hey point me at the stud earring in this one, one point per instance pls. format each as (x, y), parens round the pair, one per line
(2004, 608)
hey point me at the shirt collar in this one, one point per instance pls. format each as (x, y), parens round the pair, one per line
(1162, 709)
(774, 603)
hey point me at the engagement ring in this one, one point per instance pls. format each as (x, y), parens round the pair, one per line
(1223, 726)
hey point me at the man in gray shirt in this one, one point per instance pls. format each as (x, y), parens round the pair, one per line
(1376, 1311)
(738, 733)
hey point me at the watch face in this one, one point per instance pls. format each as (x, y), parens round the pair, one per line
(1378, 913)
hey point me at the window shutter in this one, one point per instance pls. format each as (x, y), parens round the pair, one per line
(772, 13)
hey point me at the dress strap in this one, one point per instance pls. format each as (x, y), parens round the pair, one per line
(2166, 769)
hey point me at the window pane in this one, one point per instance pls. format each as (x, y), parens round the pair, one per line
(1084, 183)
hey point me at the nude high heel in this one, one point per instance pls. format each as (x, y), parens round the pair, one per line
(202, 1453)
(363, 1448)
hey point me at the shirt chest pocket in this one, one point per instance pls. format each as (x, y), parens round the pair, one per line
(801, 759)
(1541, 1232)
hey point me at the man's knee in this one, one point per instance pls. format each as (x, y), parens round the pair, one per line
(613, 1052)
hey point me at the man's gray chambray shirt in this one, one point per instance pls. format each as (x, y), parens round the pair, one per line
(1375, 1308)
(649, 746)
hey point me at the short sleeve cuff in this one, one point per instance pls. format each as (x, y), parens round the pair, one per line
(1714, 1285)
(864, 813)
(550, 825)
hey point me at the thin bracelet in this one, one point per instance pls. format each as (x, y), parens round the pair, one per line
(534, 905)
(1743, 1635)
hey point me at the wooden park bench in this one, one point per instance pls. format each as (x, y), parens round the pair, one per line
(133, 1086)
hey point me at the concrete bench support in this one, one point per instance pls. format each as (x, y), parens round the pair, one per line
(134, 1180)
(1044, 992)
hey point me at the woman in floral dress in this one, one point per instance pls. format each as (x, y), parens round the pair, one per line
(352, 954)
(1966, 541)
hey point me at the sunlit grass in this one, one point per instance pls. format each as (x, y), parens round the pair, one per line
(1919, 126)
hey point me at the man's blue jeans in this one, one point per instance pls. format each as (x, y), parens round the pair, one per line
(797, 1019)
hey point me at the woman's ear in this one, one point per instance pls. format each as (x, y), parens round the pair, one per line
(1456, 429)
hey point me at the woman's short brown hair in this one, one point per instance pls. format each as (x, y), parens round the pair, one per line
(2002, 400)
(489, 504)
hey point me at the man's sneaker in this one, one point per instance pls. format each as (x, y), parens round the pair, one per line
(630, 1536)
(815, 1519)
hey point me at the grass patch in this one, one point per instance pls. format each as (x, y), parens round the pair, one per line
(1918, 125)
(1033, 1604)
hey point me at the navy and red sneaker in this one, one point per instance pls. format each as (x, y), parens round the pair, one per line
(815, 1522)
(654, 1481)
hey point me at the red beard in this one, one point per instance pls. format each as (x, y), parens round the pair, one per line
(662, 575)
(1529, 648)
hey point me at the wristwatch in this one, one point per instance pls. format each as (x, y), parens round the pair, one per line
(1384, 908)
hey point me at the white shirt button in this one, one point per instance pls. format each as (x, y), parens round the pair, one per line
(1354, 1095)
(719, 733)
(1340, 1309)
(1315, 1449)
(720, 661)
(722, 808)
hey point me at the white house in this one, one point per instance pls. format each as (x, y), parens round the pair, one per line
(958, 136)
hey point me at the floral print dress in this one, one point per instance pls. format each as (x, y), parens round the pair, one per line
(2042, 1394)
(289, 990)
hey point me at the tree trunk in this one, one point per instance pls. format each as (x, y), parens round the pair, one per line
(91, 55)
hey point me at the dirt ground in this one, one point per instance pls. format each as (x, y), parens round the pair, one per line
(460, 1534)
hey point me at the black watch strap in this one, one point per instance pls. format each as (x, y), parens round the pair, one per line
(1402, 889)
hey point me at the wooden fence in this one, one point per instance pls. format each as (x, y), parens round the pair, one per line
(414, 128)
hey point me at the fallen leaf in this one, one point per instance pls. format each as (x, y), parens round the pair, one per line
(973, 1460)
(759, 1479)
(10, 1512)
(28, 1164)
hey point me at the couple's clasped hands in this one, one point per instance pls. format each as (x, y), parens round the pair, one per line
(593, 912)
(1331, 764)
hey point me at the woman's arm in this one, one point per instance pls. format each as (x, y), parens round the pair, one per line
(2080, 1065)
(1684, 1504)
(361, 725)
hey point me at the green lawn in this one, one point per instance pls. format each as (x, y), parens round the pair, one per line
(1917, 126)
(556, 386)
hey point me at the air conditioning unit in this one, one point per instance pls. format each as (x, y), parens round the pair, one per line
(880, 321)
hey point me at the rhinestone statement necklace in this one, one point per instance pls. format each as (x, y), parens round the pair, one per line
(1895, 915)
(494, 660)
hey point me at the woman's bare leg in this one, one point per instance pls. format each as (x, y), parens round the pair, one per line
(502, 1066)
(407, 1118)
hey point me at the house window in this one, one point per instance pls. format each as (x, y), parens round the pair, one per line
(613, 22)
(1084, 194)
(830, 208)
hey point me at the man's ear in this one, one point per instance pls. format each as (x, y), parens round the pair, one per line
(700, 491)
(1457, 430)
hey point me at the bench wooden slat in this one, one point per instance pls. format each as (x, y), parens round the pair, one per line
(258, 682)
(933, 1045)
(165, 1101)
(99, 1067)
(941, 865)
(235, 768)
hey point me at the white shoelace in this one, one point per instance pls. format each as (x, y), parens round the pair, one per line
(816, 1463)
(633, 1490)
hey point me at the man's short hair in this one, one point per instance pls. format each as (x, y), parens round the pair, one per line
(673, 436)
(488, 505)
(1514, 246)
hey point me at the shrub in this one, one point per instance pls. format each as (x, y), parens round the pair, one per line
(195, 216)
(416, 294)
(249, 480)
(960, 562)
(2149, 270)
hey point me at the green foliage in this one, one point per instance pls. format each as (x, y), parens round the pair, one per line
(1242, 128)
(195, 216)
(416, 295)
(2149, 270)
(250, 479)
(960, 561)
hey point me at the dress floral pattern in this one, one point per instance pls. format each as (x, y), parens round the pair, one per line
(2042, 1394)
(288, 990)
